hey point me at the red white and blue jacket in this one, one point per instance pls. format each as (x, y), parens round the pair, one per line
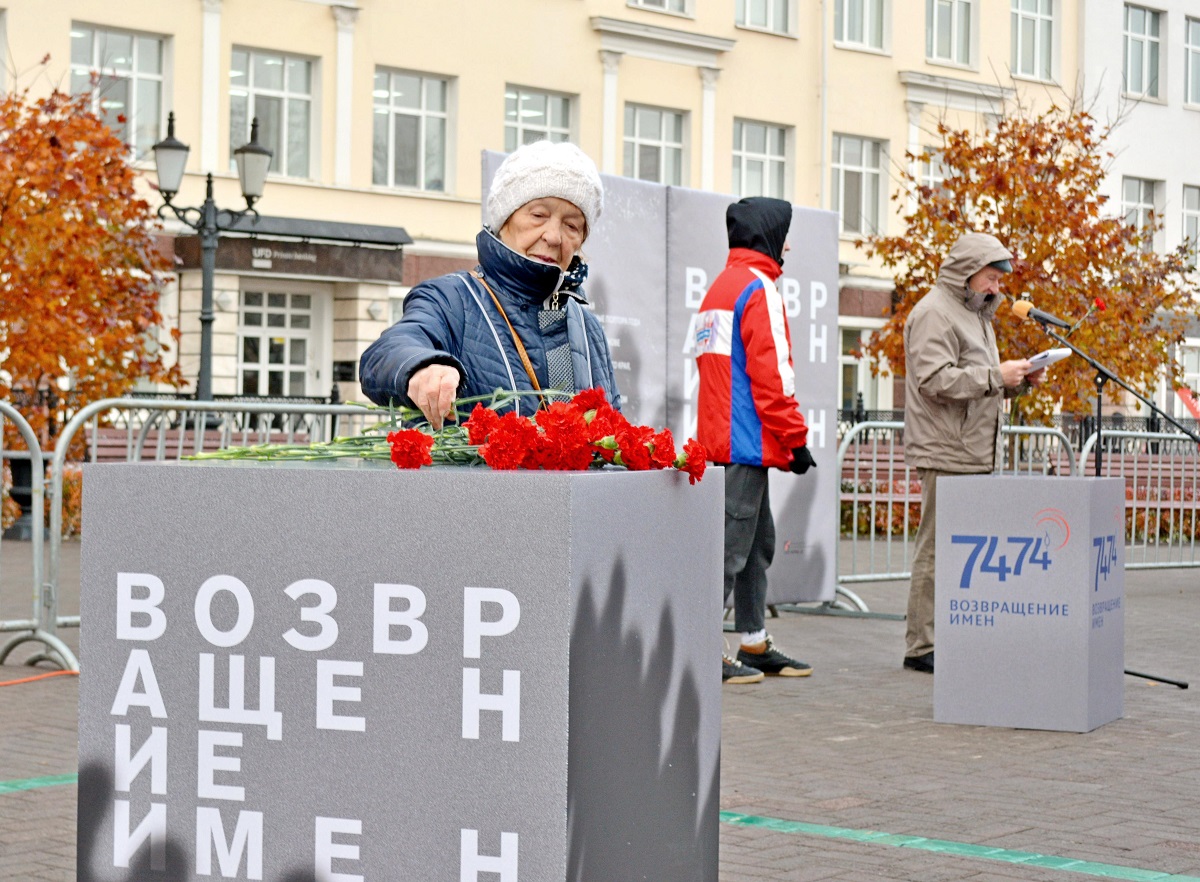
(748, 411)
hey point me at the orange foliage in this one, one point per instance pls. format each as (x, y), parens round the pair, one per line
(79, 271)
(1033, 181)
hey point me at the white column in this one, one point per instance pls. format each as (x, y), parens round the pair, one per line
(210, 85)
(345, 16)
(914, 147)
(608, 135)
(708, 125)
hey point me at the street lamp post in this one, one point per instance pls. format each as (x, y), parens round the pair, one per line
(170, 158)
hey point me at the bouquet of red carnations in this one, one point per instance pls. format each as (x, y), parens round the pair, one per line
(568, 433)
(574, 434)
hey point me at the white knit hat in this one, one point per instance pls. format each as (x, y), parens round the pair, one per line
(545, 168)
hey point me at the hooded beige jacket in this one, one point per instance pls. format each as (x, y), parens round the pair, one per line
(953, 386)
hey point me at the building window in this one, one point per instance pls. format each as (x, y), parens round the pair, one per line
(1138, 195)
(534, 116)
(1141, 52)
(1192, 53)
(411, 118)
(856, 378)
(767, 15)
(859, 23)
(128, 85)
(653, 144)
(759, 159)
(1033, 38)
(277, 90)
(1191, 220)
(857, 184)
(931, 171)
(948, 31)
(275, 343)
(679, 6)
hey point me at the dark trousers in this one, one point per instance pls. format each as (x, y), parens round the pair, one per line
(749, 544)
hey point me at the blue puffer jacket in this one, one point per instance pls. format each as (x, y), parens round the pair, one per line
(452, 320)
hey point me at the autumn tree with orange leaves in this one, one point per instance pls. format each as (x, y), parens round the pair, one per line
(1033, 181)
(79, 271)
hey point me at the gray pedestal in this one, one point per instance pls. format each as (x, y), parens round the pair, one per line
(353, 672)
(1030, 602)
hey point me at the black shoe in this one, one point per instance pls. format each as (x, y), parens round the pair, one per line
(771, 661)
(733, 671)
(922, 663)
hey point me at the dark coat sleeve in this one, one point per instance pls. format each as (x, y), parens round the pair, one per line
(430, 332)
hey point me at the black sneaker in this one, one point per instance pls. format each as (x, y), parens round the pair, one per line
(922, 663)
(771, 661)
(733, 671)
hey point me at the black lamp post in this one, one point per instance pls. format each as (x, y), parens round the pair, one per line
(170, 158)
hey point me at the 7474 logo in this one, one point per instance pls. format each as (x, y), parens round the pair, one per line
(1031, 550)
(1106, 557)
(1025, 551)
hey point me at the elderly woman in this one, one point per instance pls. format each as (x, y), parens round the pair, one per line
(519, 321)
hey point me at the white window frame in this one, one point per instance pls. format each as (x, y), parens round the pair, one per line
(871, 209)
(743, 157)
(931, 172)
(515, 132)
(877, 389)
(81, 73)
(1142, 210)
(1191, 52)
(636, 138)
(1043, 16)
(771, 11)
(383, 105)
(671, 7)
(872, 14)
(1147, 78)
(281, 161)
(1191, 218)
(962, 35)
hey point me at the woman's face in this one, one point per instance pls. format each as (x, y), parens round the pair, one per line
(550, 230)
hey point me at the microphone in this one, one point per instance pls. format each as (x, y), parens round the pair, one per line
(1025, 309)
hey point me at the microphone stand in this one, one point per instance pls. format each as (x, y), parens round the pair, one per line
(1104, 375)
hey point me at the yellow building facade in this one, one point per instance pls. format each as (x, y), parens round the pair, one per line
(378, 111)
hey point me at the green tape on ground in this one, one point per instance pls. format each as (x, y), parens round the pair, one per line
(961, 849)
(35, 783)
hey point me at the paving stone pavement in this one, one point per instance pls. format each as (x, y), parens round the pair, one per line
(815, 764)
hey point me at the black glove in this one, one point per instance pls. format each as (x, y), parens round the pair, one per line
(802, 461)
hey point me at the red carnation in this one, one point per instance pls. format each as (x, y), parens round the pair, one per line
(481, 422)
(693, 460)
(563, 442)
(1099, 304)
(590, 399)
(410, 448)
(662, 450)
(606, 421)
(509, 441)
(634, 453)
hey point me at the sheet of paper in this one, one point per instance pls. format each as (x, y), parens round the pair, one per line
(1048, 357)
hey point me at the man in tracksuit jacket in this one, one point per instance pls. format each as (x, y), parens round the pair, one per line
(749, 419)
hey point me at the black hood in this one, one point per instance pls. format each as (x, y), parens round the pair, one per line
(759, 223)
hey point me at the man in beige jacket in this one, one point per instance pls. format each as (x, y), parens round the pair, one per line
(954, 384)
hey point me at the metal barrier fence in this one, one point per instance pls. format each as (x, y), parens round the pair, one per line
(1162, 494)
(879, 499)
(880, 494)
(40, 626)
